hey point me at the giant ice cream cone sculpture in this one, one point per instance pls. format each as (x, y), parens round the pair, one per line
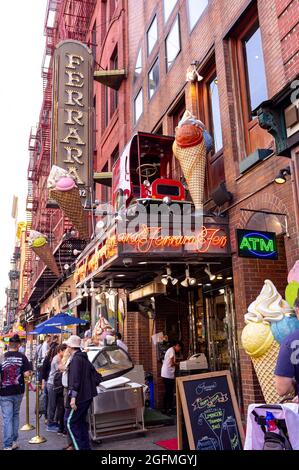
(190, 148)
(38, 243)
(267, 310)
(63, 189)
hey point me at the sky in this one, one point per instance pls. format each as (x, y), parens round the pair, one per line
(22, 47)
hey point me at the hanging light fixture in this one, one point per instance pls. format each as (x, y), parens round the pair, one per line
(188, 281)
(208, 272)
(168, 277)
(79, 293)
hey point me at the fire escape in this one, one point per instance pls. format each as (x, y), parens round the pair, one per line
(65, 19)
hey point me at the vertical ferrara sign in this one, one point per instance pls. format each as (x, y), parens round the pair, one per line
(72, 132)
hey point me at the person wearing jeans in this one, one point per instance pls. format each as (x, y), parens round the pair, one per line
(14, 368)
(10, 406)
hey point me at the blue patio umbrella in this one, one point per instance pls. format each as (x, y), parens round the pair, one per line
(45, 330)
(62, 319)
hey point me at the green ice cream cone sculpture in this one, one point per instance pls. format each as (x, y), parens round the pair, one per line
(258, 339)
(42, 249)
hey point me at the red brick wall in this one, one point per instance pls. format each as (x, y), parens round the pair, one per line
(288, 21)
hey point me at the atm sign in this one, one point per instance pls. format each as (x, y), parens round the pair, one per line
(256, 244)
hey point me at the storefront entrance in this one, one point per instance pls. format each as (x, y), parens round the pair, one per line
(221, 333)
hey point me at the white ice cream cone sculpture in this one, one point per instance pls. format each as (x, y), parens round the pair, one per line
(258, 340)
(41, 248)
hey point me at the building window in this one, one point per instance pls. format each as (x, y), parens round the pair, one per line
(114, 93)
(247, 53)
(173, 44)
(255, 69)
(114, 156)
(215, 114)
(152, 35)
(168, 8)
(196, 9)
(138, 106)
(138, 66)
(153, 79)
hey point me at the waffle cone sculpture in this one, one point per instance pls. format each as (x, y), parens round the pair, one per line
(67, 195)
(44, 252)
(190, 150)
(258, 340)
(193, 164)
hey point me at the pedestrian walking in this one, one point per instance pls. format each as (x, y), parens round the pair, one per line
(82, 381)
(14, 368)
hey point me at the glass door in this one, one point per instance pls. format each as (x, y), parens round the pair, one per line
(221, 334)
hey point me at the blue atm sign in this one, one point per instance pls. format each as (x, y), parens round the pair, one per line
(256, 244)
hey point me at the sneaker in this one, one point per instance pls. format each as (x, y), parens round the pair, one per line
(52, 428)
(60, 433)
(15, 445)
(7, 448)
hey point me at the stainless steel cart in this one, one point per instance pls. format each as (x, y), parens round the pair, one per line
(117, 412)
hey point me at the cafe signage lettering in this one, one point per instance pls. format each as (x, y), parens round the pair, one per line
(257, 244)
(150, 239)
(73, 111)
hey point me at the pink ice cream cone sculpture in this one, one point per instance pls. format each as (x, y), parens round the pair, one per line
(63, 189)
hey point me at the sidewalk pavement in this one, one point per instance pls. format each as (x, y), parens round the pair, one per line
(55, 442)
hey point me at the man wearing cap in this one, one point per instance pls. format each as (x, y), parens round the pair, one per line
(82, 382)
(14, 368)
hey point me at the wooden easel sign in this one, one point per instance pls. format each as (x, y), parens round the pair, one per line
(208, 414)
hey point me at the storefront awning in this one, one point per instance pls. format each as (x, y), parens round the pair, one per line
(130, 259)
(110, 78)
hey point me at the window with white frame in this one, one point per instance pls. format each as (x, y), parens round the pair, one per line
(168, 8)
(152, 35)
(138, 65)
(195, 10)
(173, 43)
(138, 106)
(153, 78)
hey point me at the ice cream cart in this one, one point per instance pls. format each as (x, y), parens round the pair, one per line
(118, 408)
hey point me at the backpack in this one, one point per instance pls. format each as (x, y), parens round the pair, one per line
(273, 440)
(57, 382)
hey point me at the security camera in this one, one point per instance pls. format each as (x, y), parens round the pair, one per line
(127, 261)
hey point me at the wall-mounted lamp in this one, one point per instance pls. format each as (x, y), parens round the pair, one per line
(192, 74)
(281, 177)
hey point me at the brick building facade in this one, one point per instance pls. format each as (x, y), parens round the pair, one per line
(154, 96)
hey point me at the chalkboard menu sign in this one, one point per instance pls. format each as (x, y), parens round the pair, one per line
(208, 410)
